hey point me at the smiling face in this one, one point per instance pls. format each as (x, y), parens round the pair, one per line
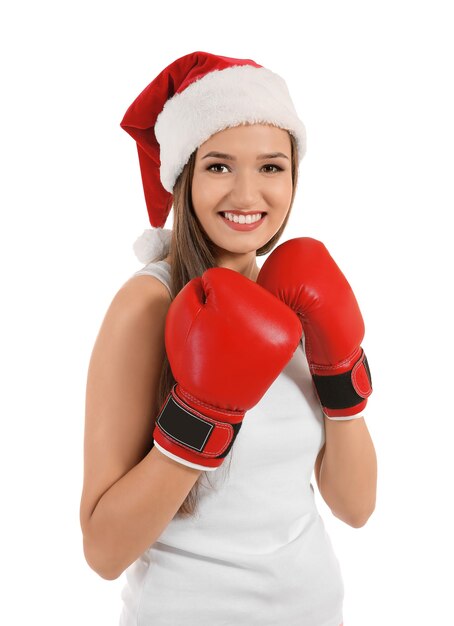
(243, 181)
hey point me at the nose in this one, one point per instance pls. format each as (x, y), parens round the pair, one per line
(245, 191)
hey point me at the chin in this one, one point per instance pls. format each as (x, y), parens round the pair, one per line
(239, 242)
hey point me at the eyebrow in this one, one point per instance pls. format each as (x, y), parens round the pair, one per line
(229, 157)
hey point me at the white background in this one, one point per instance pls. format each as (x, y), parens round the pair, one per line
(373, 84)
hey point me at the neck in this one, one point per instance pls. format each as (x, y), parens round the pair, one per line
(248, 267)
(245, 264)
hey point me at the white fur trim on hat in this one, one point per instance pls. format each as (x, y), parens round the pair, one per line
(222, 99)
(152, 243)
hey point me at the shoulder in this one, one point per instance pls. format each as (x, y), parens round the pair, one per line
(144, 287)
(132, 331)
(157, 274)
(140, 304)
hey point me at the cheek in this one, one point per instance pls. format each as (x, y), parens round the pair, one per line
(278, 192)
(282, 190)
(204, 193)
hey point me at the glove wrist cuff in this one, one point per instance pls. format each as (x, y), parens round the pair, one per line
(344, 394)
(192, 435)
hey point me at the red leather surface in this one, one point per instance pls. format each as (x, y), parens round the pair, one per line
(227, 339)
(302, 273)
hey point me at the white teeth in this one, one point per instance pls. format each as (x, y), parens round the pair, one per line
(241, 219)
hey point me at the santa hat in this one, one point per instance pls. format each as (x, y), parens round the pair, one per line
(194, 97)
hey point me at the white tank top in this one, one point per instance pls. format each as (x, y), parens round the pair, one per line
(256, 553)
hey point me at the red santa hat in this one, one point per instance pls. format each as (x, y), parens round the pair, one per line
(194, 97)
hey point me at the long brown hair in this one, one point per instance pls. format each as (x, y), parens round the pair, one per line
(192, 254)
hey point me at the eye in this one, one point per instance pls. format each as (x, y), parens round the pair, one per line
(215, 165)
(279, 169)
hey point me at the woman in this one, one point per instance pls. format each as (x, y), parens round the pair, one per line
(201, 359)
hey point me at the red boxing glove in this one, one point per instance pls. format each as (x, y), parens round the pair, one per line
(227, 340)
(301, 273)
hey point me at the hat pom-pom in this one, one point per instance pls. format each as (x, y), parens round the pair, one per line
(153, 243)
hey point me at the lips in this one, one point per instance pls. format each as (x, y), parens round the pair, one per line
(235, 212)
(243, 212)
(242, 227)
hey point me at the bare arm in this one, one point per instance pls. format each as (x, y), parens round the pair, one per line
(348, 471)
(130, 494)
(133, 513)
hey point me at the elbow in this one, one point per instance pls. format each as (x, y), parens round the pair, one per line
(102, 574)
(109, 576)
(106, 575)
(355, 519)
(359, 521)
(96, 564)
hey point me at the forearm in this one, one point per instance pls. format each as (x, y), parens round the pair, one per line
(134, 512)
(348, 472)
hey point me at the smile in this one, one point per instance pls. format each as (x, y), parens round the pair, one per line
(242, 223)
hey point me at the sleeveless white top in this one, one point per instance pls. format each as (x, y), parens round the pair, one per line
(256, 553)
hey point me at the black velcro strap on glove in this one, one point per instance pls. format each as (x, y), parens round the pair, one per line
(188, 428)
(337, 391)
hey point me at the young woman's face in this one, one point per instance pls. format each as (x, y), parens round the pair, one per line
(242, 180)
